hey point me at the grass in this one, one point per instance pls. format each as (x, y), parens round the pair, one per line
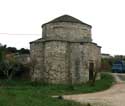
(26, 93)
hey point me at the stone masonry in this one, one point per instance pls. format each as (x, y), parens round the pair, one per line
(65, 52)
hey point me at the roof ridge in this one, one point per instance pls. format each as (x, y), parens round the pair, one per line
(67, 18)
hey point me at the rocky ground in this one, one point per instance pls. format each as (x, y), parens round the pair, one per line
(115, 96)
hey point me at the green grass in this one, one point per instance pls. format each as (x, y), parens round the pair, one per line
(26, 93)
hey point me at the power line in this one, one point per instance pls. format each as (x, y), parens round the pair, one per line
(18, 34)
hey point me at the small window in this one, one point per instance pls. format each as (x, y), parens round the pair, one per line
(81, 43)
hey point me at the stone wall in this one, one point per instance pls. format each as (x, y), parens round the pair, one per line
(64, 62)
(37, 56)
(81, 56)
(55, 62)
(93, 53)
(77, 63)
(67, 31)
(22, 58)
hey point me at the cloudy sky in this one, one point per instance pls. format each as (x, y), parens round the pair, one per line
(21, 20)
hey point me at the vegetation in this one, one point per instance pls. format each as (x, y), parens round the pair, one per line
(8, 63)
(9, 50)
(106, 63)
(26, 93)
(23, 51)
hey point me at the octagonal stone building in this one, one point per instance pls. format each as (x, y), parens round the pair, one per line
(65, 54)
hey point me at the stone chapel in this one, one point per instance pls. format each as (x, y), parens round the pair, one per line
(65, 54)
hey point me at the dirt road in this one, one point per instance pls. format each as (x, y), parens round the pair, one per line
(115, 96)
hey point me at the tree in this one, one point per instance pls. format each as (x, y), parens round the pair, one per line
(32, 65)
(96, 71)
(11, 66)
(92, 82)
(2, 52)
(24, 51)
(8, 64)
(11, 50)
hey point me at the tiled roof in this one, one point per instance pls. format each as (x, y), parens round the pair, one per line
(67, 18)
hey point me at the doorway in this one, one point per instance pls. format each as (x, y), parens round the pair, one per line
(91, 70)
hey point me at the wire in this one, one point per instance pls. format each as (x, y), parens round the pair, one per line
(18, 34)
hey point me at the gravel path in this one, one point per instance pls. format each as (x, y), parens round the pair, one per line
(115, 96)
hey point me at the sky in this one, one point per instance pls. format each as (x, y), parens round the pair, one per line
(21, 20)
